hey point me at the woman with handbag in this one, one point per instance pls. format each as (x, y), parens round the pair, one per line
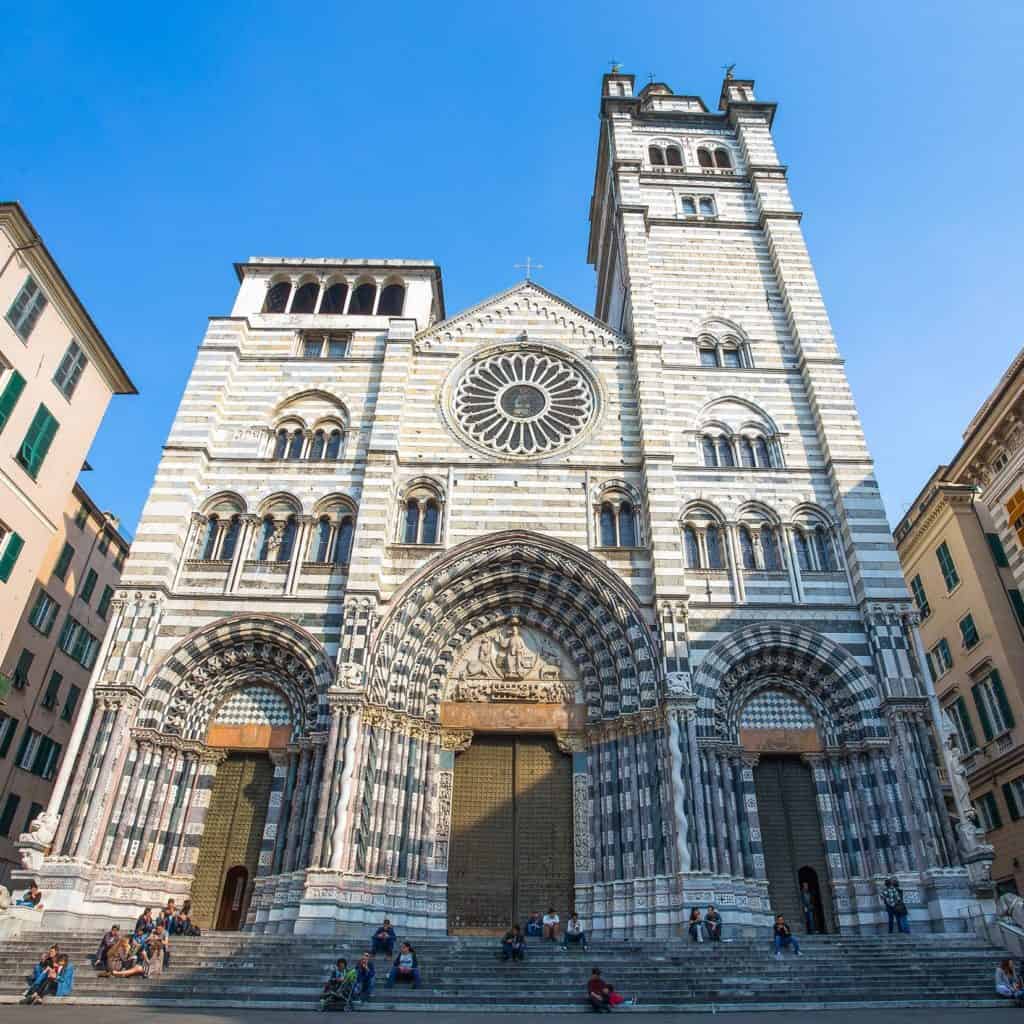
(895, 907)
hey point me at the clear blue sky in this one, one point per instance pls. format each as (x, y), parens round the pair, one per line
(152, 146)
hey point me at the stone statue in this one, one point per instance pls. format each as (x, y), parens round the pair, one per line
(1011, 906)
(957, 772)
(513, 659)
(679, 683)
(479, 666)
(5, 899)
(551, 663)
(42, 829)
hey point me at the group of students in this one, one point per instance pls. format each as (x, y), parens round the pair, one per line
(147, 951)
(346, 985)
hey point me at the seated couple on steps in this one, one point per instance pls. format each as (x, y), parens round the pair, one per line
(406, 966)
(549, 927)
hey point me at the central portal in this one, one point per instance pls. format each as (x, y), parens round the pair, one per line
(511, 844)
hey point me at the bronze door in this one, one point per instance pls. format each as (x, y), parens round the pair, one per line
(511, 849)
(794, 850)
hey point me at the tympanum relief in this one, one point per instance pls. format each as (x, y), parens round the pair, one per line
(514, 663)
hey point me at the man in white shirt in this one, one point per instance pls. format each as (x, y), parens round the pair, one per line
(551, 923)
(574, 932)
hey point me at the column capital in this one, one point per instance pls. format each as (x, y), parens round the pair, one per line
(571, 742)
(213, 755)
(456, 740)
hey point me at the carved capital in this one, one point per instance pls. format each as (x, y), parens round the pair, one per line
(456, 740)
(571, 742)
(213, 755)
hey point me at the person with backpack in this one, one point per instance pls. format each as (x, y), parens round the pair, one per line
(895, 907)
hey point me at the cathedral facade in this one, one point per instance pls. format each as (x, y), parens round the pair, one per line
(452, 618)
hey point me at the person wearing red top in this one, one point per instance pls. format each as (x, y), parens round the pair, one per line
(599, 993)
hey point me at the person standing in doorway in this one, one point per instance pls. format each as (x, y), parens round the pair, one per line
(895, 907)
(807, 902)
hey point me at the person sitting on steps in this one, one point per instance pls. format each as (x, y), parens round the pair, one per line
(122, 963)
(406, 966)
(534, 925)
(551, 923)
(46, 961)
(338, 986)
(1008, 982)
(112, 937)
(384, 939)
(784, 937)
(56, 979)
(599, 992)
(366, 975)
(575, 933)
(713, 924)
(695, 925)
(513, 944)
(32, 897)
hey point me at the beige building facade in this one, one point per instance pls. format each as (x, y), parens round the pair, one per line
(57, 375)
(50, 658)
(964, 562)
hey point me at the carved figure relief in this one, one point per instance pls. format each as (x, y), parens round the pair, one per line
(513, 663)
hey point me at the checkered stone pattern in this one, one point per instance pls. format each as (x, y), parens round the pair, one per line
(773, 709)
(255, 705)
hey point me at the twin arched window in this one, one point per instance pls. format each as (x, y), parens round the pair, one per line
(331, 543)
(704, 545)
(669, 156)
(717, 156)
(617, 524)
(335, 299)
(760, 549)
(815, 551)
(275, 540)
(728, 353)
(324, 445)
(421, 521)
(218, 538)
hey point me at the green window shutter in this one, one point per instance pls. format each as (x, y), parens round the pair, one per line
(8, 736)
(979, 702)
(993, 806)
(64, 562)
(1004, 704)
(1018, 604)
(10, 556)
(1011, 801)
(38, 440)
(965, 718)
(996, 546)
(9, 396)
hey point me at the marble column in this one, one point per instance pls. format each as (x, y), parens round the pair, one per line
(312, 793)
(291, 855)
(327, 784)
(140, 820)
(275, 810)
(893, 820)
(751, 814)
(702, 861)
(285, 817)
(199, 808)
(156, 837)
(182, 794)
(341, 823)
(69, 813)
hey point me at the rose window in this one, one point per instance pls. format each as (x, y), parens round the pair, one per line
(523, 402)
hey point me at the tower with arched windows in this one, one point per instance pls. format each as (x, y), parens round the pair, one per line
(458, 616)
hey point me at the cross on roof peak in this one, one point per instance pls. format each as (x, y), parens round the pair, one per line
(529, 266)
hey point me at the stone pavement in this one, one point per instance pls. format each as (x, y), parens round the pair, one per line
(55, 1014)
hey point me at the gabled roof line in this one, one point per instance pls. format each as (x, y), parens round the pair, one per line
(521, 286)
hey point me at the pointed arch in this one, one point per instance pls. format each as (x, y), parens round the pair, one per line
(558, 587)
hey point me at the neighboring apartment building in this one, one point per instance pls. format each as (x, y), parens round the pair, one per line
(50, 658)
(57, 374)
(963, 560)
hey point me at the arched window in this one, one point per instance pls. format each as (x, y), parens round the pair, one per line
(277, 297)
(281, 444)
(431, 521)
(708, 355)
(284, 550)
(363, 299)
(627, 526)
(747, 452)
(655, 155)
(747, 549)
(722, 158)
(710, 453)
(824, 550)
(316, 449)
(412, 522)
(674, 156)
(731, 358)
(334, 444)
(343, 541)
(692, 548)
(230, 542)
(607, 526)
(725, 456)
(392, 300)
(713, 543)
(803, 551)
(704, 158)
(295, 443)
(265, 539)
(770, 549)
(305, 298)
(333, 302)
(208, 540)
(321, 540)
(764, 457)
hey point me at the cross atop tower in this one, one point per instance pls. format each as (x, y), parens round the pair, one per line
(528, 266)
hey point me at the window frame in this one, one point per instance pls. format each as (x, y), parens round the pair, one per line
(67, 375)
(920, 597)
(92, 577)
(950, 576)
(43, 613)
(31, 311)
(35, 446)
(50, 694)
(63, 564)
(973, 629)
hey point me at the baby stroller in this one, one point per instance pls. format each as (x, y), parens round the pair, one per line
(338, 992)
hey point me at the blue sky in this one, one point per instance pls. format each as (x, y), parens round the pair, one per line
(153, 146)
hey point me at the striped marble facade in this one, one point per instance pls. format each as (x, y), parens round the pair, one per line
(669, 654)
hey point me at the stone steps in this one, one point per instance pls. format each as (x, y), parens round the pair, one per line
(228, 970)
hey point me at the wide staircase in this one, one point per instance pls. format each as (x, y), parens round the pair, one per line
(231, 970)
